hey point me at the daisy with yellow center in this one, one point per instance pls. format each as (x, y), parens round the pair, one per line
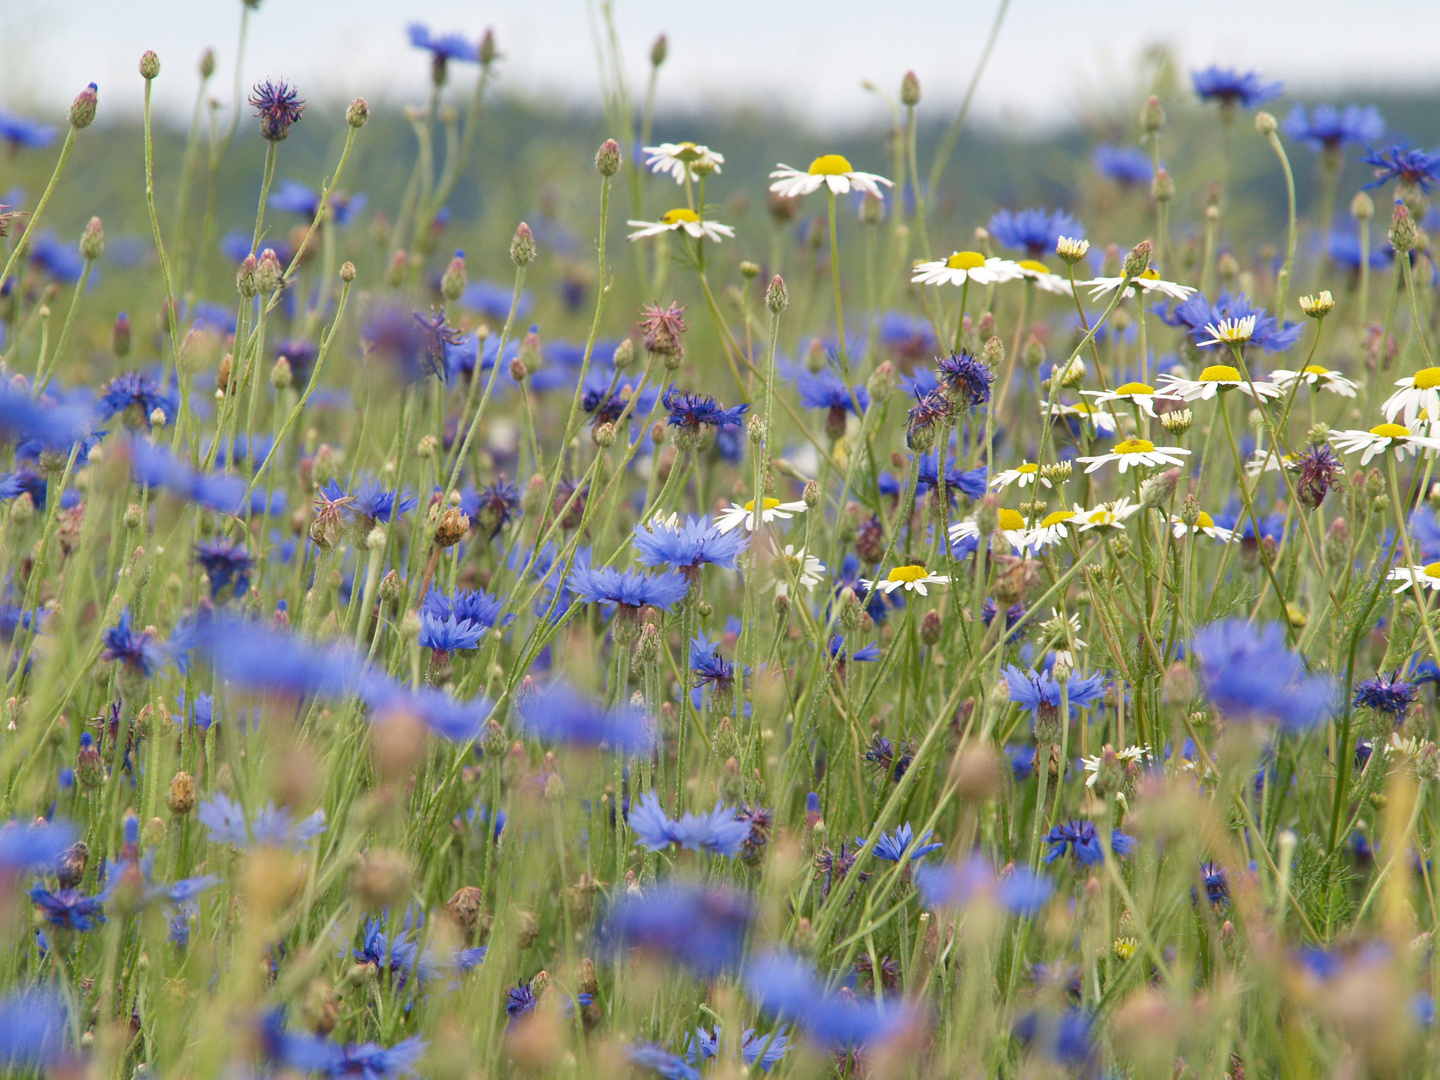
(1147, 282)
(1417, 393)
(679, 220)
(1427, 577)
(1270, 460)
(1380, 438)
(1111, 515)
(965, 266)
(1025, 474)
(792, 565)
(1139, 394)
(1212, 380)
(832, 171)
(735, 515)
(684, 161)
(1318, 377)
(1104, 422)
(912, 578)
(1229, 332)
(1204, 524)
(1010, 524)
(1044, 278)
(1054, 527)
(1132, 453)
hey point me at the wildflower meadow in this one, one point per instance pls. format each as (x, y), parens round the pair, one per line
(730, 620)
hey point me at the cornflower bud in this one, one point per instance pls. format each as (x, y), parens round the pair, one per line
(930, 627)
(207, 63)
(985, 328)
(399, 268)
(607, 158)
(1162, 186)
(1265, 123)
(1228, 265)
(1362, 207)
(781, 605)
(157, 417)
(910, 89)
(245, 277)
(1137, 261)
(993, 353)
(647, 645)
(357, 114)
(1177, 422)
(777, 298)
(1071, 251)
(811, 494)
(522, 246)
(1402, 228)
(1152, 115)
(453, 281)
(755, 430)
(347, 272)
(149, 65)
(453, 526)
(659, 50)
(882, 382)
(89, 766)
(120, 336)
(82, 109)
(749, 270)
(280, 375)
(269, 273)
(1158, 488)
(815, 356)
(1033, 354)
(1190, 511)
(605, 435)
(872, 209)
(1317, 307)
(487, 51)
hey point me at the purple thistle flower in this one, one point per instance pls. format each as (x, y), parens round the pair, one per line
(1386, 694)
(278, 106)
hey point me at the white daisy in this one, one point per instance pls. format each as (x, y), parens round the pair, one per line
(1025, 474)
(828, 170)
(1044, 278)
(806, 569)
(683, 160)
(1418, 393)
(676, 220)
(1269, 461)
(735, 515)
(1130, 453)
(1426, 576)
(1149, 281)
(1141, 395)
(1104, 422)
(1127, 756)
(1054, 527)
(1230, 331)
(1205, 524)
(1010, 524)
(1317, 376)
(1212, 380)
(1380, 438)
(965, 266)
(912, 578)
(1109, 515)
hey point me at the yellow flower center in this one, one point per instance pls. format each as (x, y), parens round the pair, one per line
(1219, 373)
(1011, 520)
(766, 504)
(1433, 570)
(1034, 266)
(675, 217)
(830, 165)
(912, 572)
(1028, 467)
(1151, 274)
(686, 151)
(1056, 518)
(1134, 446)
(1390, 431)
(965, 260)
(1204, 521)
(1427, 378)
(1314, 369)
(1135, 388)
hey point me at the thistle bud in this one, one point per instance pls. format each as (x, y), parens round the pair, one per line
(1265, 123)
(149, 65)
(910, 89)
(358, 113)
(453, 526)
(1402, 228)
(1362, 207)
(1177, 422)
(1071, 251)
(207, 63)
(245, 277)
(659, 50)
(269, 274)
(607, 158)
(777, 298)
(347, 272)
(522, 246)
(1162, 187)
(1317, 307)
(1152, 115)
(120, 336)
(82, 109)
(181, 797)
(281, 376)
(1137, 261)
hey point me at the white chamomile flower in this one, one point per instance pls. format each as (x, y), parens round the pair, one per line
(1149, 281)
(827, 170)
(681, 219)
(735, 515)
(685, 160)
(1111, 515)
(804, 568)
(1054, 527)
(1212, 380)
(1418, 393)
(1204, 524)
(1025, 474)
(1045, 279)
(965, 266)
(1380, 438)
(1067, 628)
(1127, 756)
(912, 578)
(1103, 421)
(1010, 524)
(1427, 577)
(1317, 376)
(1130, 453)
(1269, 461)
(1229, 332)
(1141, 395)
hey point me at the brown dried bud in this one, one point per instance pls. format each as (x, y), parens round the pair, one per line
(181, 797)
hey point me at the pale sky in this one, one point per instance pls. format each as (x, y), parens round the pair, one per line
(805, 56)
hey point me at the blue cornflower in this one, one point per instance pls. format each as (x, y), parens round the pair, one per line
(826, 390)
(882, 753)
(1036, 691)
(1065, 1039)
(667, 1065)
(361, 1061)
(442, 47)
(607, 393)
(52, 256)
(520, 1001)
(606, 585)
(492, 299)
(1022, 759)
(140, 653)
(33, 847)
(1034, 230)
(201, 711)
(1343, 246)
(68, 909)
(1270, 334)
(691, 412)
(929, 410)
(398, 336)
(272, 827)
(709, 667)
(1386, 694)
(278, 106)
(136, 877)
(492, 507)
(446, 634)
(969, 482)
(1414, 168)
(865, 654)
(297, 198)
(700, 927)
(559, 714)
(719, 831)
(32, 1029)
(1217, 888)
(301, 355)
(372, 503)
(964, 378)
(448, 717)
(1081, 838)
(909, 337)
(137, 396)
(254, 655)
(154, 467)
(474, 606)
(1249, 675)
(1128, 166)
(1013, 614)
(687, 547)
(903, 844)
(1329, 128)
(786, 987)
(767, 1048)
(1231, 87)
(17, 131)
(1020, 891)
(225, 562)
(26, 419)
(25, 482)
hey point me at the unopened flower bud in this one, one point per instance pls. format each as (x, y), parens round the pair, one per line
(755, 429)
(120, 336)
(268, 272)
(92, 240)
(781, 604)
(930, 627)
(358, 113)
(1402, 228)
(181, 797)
(390, 587)
(398, 270)
(1162, 186)
(605, 435)
(149, 65)
(749, 270)
(811, 494)
(777, 297)
(453, 281)
(993, 353)
(659, 50)
(1362, 207)
(607, 158)
(910, 89)
(1152, 115)
(1177, 422)
(1178, 686)
(1265, 123)
(522, 246)
(487, 51)
(280, 375)
(1156, 490)
(1137, 261)
(1190, 511)
(882, 382)
(1057, 472)
(647, 645)
(207, 63)
(245, 277)
(82, 109)
(157, 417)
(872, 209)
(347, 272)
